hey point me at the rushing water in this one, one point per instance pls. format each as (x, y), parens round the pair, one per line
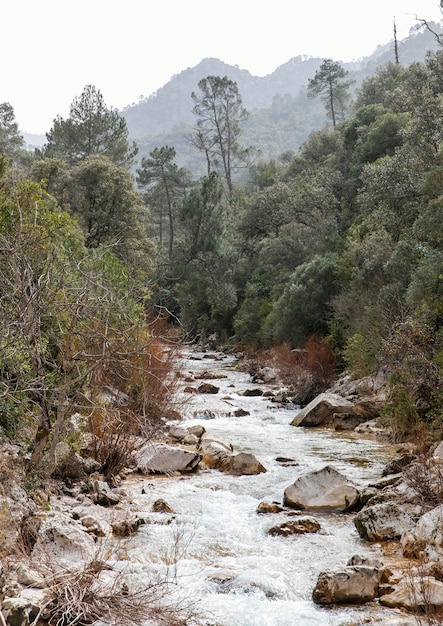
(216, 547)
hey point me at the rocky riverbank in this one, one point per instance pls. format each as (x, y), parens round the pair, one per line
(53, 557)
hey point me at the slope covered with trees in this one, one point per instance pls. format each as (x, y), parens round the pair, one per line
(281, 116)
(336, 243)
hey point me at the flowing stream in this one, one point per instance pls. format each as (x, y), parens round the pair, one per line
(216, 547)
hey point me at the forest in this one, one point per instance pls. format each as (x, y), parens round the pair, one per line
(331, 253)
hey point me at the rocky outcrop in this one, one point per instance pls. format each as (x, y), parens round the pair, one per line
(324, 490)
(354, 584)
(62, 545)
(386, 520)
(416, 592)
(322, 410)
(163, 459)
(218, 454)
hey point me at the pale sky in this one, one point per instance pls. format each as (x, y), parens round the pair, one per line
(52, 49)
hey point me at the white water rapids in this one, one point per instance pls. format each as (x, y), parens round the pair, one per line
(216, 547)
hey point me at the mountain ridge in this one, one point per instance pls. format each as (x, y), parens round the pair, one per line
(165, 116)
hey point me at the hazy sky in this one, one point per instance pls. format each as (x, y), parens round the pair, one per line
(129, 48)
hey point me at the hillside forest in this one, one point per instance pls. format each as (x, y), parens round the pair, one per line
(330, 254)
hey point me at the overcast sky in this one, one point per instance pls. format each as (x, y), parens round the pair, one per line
(130, 48)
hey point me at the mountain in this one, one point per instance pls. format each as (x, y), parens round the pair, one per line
(281, 115)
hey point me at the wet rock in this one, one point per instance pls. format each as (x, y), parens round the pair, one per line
(350, 584)
(62, 543)
(102, 494)
(126, 526)
(251, 393)
(208, 388)
(208, 375)
(163, 459)
(286, 461)
(416, 592)
(322, 409)
(97, 527)
(326, 490)
(241, 413)
(245, 464)
(269, 507)
(198, 430)
(299, 526)
(161, 506)
(398, 465)
(347, 421)
(386, 520)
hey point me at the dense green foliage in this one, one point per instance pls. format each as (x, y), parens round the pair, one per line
(91, 128)
(340, 240)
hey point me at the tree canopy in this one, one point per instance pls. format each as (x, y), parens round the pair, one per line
(91, 129)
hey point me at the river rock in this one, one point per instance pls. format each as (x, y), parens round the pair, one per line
(321, 410)
(163, 459)
(161, 506)
(269, 507)
(324, 490)
(101, 493)
(178, 433)
(425, 537)
(347, 421)
(416, 591)
(63, 544)
(208, 388)
(299, 526)
(386, 520)
(250, 393)
(437, 455)
(126, 525)
(350, 584)
(245, 464)
(96, 526)
(216, 452)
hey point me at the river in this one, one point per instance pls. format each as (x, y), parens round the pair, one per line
(216, 548)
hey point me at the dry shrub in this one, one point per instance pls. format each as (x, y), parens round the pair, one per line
(28, 534)
(130, 397)
(308, 371)
(426, 478)
(114, 448)
(141, 380)
(80, 598)
(425, 612)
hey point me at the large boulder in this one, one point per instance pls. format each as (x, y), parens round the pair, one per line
(426, 537)
(322, 490)
(62, 544)
(354, 584)
(299, 526)
(416, 592)
(245, 464)
(386, 520)
(164, 459)
(322, 409)
(218, 454)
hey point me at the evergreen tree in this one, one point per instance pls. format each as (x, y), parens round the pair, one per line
(219, 108)
(91, 129)
(329, 81)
